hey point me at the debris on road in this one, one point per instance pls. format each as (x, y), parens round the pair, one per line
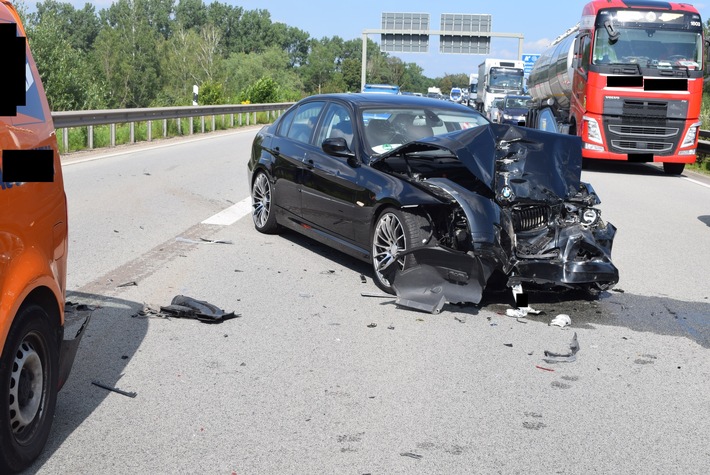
(372, 325)
(116, 390)
(363, 279)
(562, 320)
(379, 296)
(551, 357)
(544, 369)
(132, 283)
(188, 307)
(203, 241)
(411, 455)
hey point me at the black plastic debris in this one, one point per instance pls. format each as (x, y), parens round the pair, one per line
(116, 390)
(551, 357)
(411, 455)
(132, 283)
(372, 325)
(188, 307)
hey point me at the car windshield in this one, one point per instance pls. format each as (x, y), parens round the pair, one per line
(388, 128)
(517, 102)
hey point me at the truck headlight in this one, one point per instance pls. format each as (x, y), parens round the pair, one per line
(690, 135)
(593, 131)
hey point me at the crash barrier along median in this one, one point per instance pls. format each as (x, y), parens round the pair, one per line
(246, 115)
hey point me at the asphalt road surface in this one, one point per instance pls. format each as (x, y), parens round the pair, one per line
(303, 382)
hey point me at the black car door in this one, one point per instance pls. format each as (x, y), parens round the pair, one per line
(330, 190)
(292, 142)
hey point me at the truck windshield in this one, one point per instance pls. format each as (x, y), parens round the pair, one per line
(506, 79)
(649, 48)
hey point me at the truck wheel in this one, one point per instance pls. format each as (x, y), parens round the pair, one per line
(395, 231)
(673, 168)
(28, 388)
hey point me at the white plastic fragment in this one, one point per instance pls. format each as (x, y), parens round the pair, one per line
(562, 320)
(521, 312)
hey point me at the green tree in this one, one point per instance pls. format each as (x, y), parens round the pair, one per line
(263, 91)
(191, 14)
(66, 72)
(79, 27)
(127, 52)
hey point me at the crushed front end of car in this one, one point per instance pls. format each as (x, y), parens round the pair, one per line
(520, 209)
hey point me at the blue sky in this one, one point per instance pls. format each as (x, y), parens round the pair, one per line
(540, 22)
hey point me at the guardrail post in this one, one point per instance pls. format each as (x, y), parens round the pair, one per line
(113, 135)
(91, 137)
(65, 139)
(248, 117)
(202, 124)
(179, 124)
(132, 132)
(231, 120)
(254, 118)
(190, 125)
(240, 119)
(213, 123)
(165, 128)
(150, 131)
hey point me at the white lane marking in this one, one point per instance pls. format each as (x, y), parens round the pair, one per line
(697, 182)
(232, 214)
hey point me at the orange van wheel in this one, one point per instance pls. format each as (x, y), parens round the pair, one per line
(28, 388)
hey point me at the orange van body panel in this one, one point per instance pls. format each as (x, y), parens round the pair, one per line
(33, 216)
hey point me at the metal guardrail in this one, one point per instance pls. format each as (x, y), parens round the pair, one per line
(69, 119)
(704, 142)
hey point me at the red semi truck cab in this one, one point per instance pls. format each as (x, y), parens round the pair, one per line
(628, 80)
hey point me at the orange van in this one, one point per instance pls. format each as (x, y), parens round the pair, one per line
(35, 358)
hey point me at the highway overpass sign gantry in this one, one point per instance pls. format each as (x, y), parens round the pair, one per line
(460, 33)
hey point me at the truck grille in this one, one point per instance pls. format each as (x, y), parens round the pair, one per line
(631, 146)
(530, 217)
(643, 131)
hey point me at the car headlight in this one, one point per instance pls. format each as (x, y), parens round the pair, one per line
(593, 131)
(690, 135)
(589, 216)
(507, 117)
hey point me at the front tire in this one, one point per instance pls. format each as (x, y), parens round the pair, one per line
(673, 168)
(29, 372)
(396, 231)
(262, 205)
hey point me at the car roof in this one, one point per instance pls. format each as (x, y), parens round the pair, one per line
(375, 100)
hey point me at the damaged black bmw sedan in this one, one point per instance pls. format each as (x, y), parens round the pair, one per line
(435, 196)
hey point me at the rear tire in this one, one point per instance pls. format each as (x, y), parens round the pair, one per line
(396, 231)
(29, 372)
(673, 168)
(262, 211)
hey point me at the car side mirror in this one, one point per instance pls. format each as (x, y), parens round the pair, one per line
(338, 147)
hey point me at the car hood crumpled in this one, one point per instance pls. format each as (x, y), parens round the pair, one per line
(536, 165)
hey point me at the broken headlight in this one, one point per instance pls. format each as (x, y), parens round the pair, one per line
(589, 216)
(582, 215)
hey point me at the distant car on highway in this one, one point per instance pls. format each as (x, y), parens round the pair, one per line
(432, 194)
(456, 94)
(514, 109)
(381, 88)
